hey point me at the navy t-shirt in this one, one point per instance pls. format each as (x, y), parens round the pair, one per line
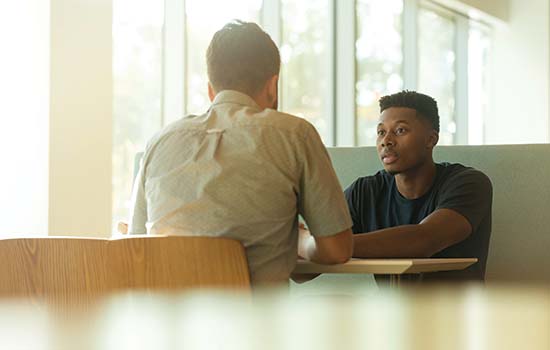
(375, 203)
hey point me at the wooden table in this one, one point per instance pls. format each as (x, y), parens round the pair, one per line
(395, 268)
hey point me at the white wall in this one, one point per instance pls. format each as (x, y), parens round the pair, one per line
(520, 84)
(56, 111)
(24, 72)
(81, 118)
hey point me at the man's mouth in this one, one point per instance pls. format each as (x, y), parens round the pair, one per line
(389, 158)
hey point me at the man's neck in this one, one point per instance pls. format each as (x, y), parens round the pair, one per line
(416, 182)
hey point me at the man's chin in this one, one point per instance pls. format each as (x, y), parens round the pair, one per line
(392, 171)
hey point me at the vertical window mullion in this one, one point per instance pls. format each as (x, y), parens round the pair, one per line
(330, 94)
(410, 44)
(461, 67)
(271, 19)
(271, 22)
(345, 79)
(174, 65)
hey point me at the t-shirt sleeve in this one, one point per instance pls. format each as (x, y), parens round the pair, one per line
(469, 193)
(321, 201)
(353, 198)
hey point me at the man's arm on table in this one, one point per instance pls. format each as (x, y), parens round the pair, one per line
(439, 230)
(335, 249)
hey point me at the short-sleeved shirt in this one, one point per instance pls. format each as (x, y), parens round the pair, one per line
(241, 172)
(375, 203)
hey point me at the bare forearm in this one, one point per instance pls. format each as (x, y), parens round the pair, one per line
(407, 241)
(307, 249)
(439, 230)
(336, 249)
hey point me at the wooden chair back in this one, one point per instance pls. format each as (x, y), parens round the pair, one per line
(73, 268)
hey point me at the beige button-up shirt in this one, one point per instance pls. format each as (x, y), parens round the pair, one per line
(240, 172)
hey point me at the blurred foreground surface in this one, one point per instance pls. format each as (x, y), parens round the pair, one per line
(436, 318)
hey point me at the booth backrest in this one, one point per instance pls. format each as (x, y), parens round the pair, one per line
(520, 241)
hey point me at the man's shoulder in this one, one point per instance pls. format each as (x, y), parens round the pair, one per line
(282, 121)
(463, 181)
(189, 123)
(456, 172)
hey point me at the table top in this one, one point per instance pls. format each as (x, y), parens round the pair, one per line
(386, 266)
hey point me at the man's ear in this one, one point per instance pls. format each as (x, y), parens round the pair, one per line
(211, 92)
(433, 139)
(273, 91)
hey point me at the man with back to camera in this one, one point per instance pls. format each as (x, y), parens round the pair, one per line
(415, 207)
(243, 170)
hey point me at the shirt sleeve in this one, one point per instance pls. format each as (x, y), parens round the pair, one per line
(138, 210)
(321, 201)
(469, 193)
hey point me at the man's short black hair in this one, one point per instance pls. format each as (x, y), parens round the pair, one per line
(424, 105)
(242, 57)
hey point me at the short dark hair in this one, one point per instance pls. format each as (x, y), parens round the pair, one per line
(242, 57)
(424, 105)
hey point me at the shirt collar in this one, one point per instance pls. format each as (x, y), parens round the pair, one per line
(232, 96)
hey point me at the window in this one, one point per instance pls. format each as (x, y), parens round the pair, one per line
(479, 48)
(137, 76)
(436, 68)
(305, 59)
(379, 56)
(421, 46)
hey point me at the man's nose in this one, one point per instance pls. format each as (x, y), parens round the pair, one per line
(387, 140)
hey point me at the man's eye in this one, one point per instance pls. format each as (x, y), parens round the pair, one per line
(399, 131)
(380, 132)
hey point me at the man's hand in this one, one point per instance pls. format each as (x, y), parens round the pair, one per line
(303, 236)
(332, 249)
(122, 227)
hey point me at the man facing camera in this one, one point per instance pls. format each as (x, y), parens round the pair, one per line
(243, 170)
(416, 208)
